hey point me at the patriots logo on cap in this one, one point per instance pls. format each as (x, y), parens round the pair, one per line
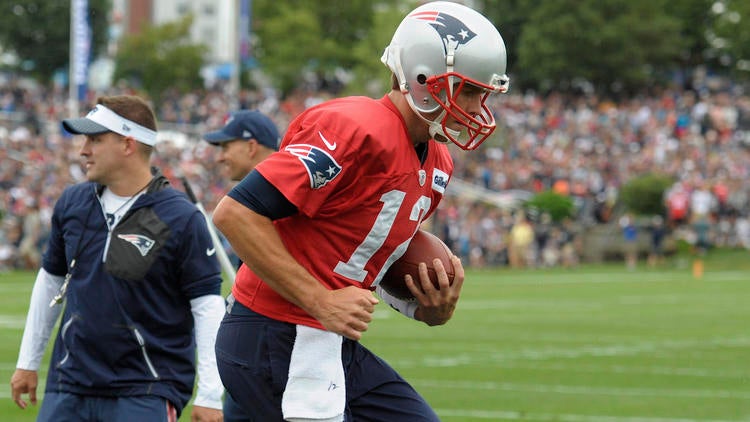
(143, 243)
(453, 32)
(321, 167)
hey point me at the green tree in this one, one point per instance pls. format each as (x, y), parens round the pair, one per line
(729, 35)
(160, 58)
(300, 41)
(369, 75)
(291, 46)
(616, 45)
(38, 31)
(644, 195)
(510, 18)
(557, 206)
(694, 18)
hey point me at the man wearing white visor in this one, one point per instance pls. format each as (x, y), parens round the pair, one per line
(131, 266)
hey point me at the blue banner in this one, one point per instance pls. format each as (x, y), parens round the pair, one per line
(243, 32)
(81, 49)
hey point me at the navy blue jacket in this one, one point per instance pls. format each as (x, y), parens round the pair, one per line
(127, 327)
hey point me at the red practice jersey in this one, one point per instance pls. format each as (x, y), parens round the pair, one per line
(352, 171)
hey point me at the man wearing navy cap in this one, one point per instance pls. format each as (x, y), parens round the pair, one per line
(247, 138)
(131, 266)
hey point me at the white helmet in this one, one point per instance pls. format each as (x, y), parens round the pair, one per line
(437, 49)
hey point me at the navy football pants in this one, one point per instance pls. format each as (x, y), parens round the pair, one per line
(69, 407)
(232, 410)
(253, 352)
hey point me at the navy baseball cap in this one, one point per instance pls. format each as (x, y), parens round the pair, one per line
(246, 124)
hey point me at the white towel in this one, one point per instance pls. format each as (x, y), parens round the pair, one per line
(315, 390)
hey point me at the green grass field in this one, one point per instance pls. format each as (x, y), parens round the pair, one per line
(597, 343)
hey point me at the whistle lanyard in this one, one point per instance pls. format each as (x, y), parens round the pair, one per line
(110, 226)
(58, 299)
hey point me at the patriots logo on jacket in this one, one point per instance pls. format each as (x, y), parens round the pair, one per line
(453, 32)
(321, 167)
(143, 243)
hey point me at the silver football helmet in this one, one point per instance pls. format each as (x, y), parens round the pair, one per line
(437, 50)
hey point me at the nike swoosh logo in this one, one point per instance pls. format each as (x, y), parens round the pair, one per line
(211, 251)
(330, 146)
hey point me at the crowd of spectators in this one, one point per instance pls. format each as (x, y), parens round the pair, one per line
(582, 146)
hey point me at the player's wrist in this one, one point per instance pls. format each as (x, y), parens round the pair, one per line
(316, 302)
(430, 318)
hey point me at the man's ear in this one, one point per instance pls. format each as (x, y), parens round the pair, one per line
(131, 145)
(252, 147)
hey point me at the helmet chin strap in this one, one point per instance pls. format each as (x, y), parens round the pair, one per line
(437, 129)
(440, 133)
(435, 125)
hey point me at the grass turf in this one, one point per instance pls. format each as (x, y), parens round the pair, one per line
(595, 343)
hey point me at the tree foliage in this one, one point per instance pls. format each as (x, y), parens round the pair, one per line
(729, 35)
(694, 18)
(369, 75)
(38, 32)
(301, 41)
(644, 195)
(510, 18)
(557, 206)
(615, 45)
(160, 58)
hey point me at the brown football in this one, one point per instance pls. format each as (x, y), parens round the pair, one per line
(424, 247)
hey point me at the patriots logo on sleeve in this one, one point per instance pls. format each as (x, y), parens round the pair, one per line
(143, 243)
(453, 32)
(321, 167)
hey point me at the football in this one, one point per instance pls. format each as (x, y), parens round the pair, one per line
(424, 247)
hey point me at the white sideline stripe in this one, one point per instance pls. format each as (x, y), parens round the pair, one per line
(526, 416)
(18, 285)
(492, 358)
(12, 321)
(545, 305)
(384, 313)
(624, 369)
(580, 305)
(532, 278)
(568, 389)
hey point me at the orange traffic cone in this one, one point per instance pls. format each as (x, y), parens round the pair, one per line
(698, 268)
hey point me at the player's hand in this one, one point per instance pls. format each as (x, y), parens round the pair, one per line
(346, 311)
(436, 306)
(206, 414)
(22, 382)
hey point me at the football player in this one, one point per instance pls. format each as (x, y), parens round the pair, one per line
(318, 223)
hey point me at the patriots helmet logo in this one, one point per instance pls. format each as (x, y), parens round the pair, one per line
(321, 167)
(143, 243)
(453, 32)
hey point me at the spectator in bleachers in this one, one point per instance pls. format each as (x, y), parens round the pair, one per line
(630, 240)
(656, 248)
(520, 241)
